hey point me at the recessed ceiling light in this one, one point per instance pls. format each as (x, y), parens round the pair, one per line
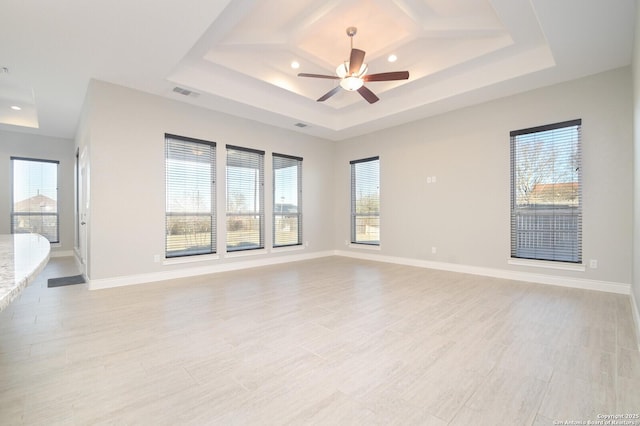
(15, 108)
(392, 58)
(295, 65)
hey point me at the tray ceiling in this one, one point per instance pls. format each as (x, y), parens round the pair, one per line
(236, 56)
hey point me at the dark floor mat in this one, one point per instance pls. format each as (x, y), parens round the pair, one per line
(59, 282)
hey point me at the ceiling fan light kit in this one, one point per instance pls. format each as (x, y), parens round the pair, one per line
(353, 74)
(351, 83)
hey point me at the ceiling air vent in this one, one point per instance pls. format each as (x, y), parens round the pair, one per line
(185, 92)
(300, 125)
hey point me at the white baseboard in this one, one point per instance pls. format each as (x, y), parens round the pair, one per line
(636, 317)
(105, 283)
(582, 283)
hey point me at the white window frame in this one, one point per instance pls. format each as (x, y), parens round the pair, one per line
(244, 170)
(546, 193)
(198, 217)
(32, 218)
(365, 208)
(287, 211)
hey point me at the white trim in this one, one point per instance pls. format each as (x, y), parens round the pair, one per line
(245, 253)
(582, 283)
(189, 259)
(363, 246)
(283, 249)
(78, 262)
(61, 253)
(636, 317)
(563, 266)
(104, 283)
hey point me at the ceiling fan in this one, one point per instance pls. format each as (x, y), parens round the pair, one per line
(353, 74)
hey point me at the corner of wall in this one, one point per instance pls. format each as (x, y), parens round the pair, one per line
(635, 280)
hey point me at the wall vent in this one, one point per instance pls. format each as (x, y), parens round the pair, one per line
(186, 92)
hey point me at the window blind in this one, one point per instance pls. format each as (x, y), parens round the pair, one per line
(546, 192)
(287, 200)
(190, 170)
(34, 206)
(245, 198)
(365, 201)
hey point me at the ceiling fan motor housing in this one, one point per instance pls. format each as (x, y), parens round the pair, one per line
(352, 74)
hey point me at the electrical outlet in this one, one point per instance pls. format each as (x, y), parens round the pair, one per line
(156, 258)
(434, 250)
(593, 264)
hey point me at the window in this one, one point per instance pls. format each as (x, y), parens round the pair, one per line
(34, 207)
(190, 196)
(365, 201)
(245, 199)
(287, 200)
(546, 193)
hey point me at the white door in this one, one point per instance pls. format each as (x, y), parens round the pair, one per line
(83, 212)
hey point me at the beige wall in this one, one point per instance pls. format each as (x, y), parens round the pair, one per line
(465, 214)
(45, 148)
(126, 132)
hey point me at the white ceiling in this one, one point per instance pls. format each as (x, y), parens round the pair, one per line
(236, 55)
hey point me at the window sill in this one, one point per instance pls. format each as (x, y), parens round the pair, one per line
(190, 259)
(243, 253)
(287, 248)
(548, 265)
(364, 246)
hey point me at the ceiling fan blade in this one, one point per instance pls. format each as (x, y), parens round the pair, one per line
(332, 77)
(329, 94)
(368, 95)
(387, 76)
(355, 60)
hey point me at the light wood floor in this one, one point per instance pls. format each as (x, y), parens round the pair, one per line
(332, 341)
